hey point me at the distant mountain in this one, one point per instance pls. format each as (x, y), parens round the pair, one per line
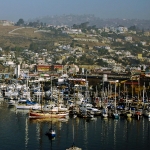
(78, 19)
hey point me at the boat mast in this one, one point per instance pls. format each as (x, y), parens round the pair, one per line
(116, 81)
(132, 88)
(143, 91)
(51, 89)
(138, 88)
(115, 96)
(42, 98)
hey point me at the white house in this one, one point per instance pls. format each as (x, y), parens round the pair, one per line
(128, 38)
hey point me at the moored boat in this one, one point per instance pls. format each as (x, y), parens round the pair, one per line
(146, 113)
(104, 113)
(128, 114)
(89, 108)
(11, 103)
(115, 115)
(26, 104)
(85, 114)
(44, 115)
(138, 114)
(51, 133)
(55, 108)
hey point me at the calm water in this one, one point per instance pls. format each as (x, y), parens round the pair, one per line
(18, 132)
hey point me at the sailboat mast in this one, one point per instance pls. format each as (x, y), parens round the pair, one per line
(143, 91)
(51, 89)
(115, 96)
(42, 98)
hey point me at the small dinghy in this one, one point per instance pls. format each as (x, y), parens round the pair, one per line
(51, 133)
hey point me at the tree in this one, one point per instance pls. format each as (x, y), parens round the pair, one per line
(33, 46)
(20, 22)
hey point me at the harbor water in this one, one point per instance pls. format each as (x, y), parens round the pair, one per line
(17, 131)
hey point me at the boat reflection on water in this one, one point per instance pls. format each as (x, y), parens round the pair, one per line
(51, 138)
(129, 119)
(26, 133)
(23, 112)
(53, 120)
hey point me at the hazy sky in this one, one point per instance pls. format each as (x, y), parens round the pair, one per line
(13, 10)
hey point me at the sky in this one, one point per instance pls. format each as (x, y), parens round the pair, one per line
(13, 10)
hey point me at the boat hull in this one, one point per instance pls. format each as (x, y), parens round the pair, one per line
(105, 115)
(42, 115)
(115, 115)
(128, 114)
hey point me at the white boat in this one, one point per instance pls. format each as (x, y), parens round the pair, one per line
(11, 103)
(11, 93)
(105, 113)
(146, 113)
(1, 97)
(54, 108)
(27, 104)
(89, 107)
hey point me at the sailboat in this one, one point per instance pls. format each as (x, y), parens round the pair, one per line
(128, 114)
(115, 114)
(41, 114)
(105, 113)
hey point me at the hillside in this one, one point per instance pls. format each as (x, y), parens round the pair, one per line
(14, 36)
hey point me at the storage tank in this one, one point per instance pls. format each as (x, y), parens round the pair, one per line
(104, 77)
